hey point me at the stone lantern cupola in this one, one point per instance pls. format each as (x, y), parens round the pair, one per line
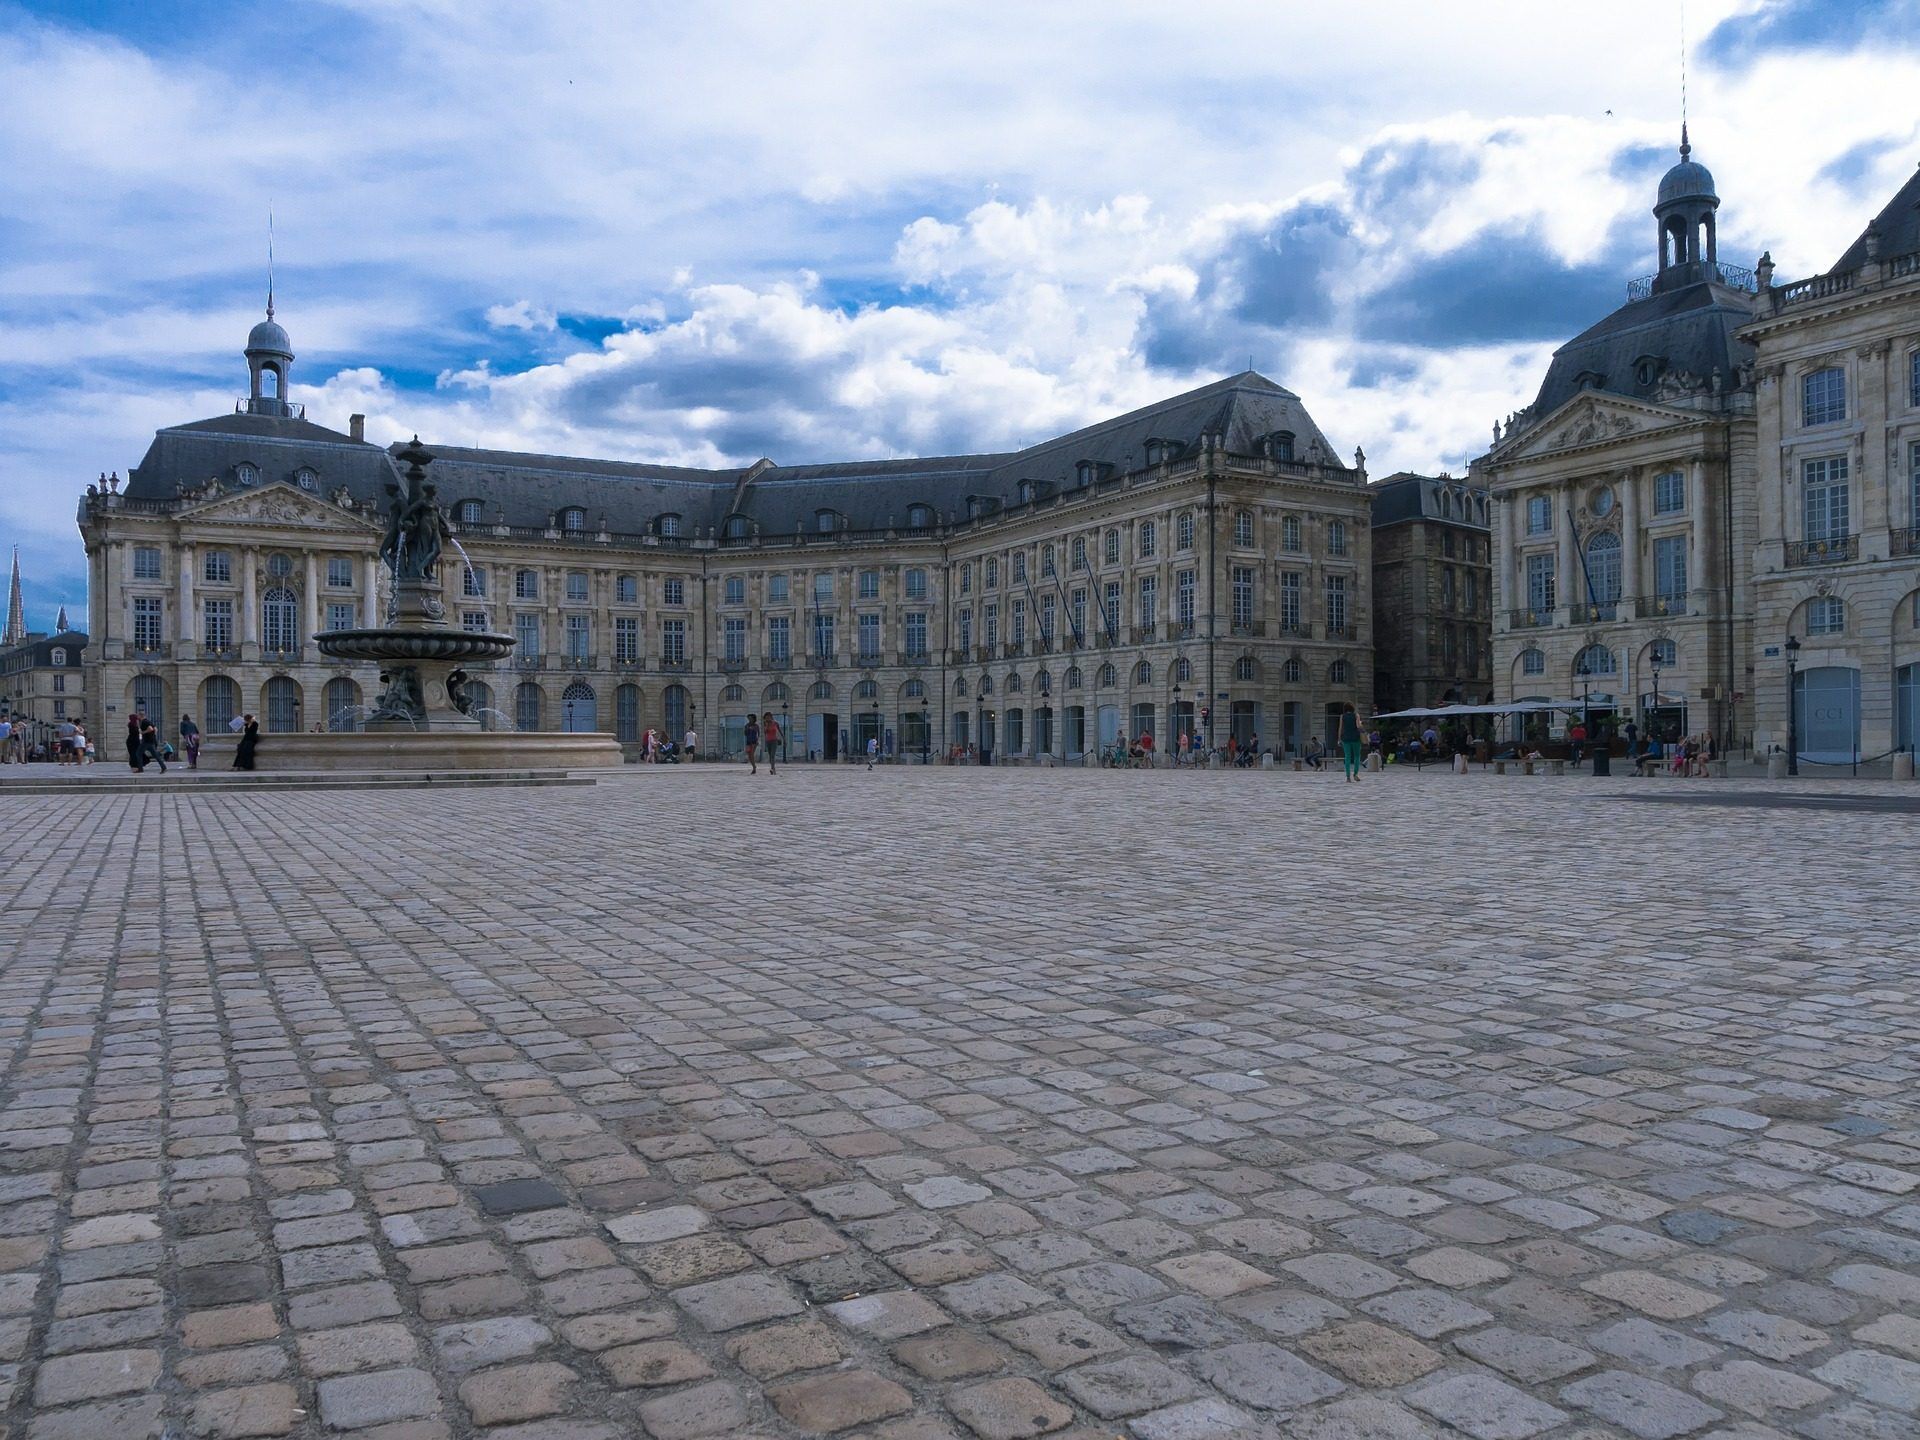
(269, 357)
(1685, 210)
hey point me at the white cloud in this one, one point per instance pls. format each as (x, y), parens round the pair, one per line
(521, 315)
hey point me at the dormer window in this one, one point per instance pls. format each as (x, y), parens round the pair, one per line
(56, 657)
(1280, 445)
(919, 517)
(247, 474)
(826, 521)
(573, 518)
(667, 526)
(306, 479)
(1646, 370)
(468, 513)
(1589, 380)
(736, 527)
(1025, 491)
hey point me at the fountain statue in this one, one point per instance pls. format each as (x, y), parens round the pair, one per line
(422, 658)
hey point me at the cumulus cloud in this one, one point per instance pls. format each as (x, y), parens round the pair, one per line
(521, 315)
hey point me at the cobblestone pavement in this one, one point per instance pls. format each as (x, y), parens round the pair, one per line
(926, 1103)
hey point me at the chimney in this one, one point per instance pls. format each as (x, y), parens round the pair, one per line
(357, 427)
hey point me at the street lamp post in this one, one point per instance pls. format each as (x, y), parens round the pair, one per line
(1173, 740)
(926, 734)
(1654, 708)
(876, 720)
(786, 728)
(1793, 728)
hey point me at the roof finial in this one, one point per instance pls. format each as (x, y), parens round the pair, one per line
(269, 262)
(1685, 148)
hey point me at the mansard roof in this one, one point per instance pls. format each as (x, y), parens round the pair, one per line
(1450, 499)
(1898, 228)
(527, 489)
(1689, 329)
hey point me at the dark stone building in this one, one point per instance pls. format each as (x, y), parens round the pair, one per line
(1432, 592)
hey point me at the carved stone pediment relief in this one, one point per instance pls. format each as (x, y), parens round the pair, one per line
(1587, 422)
(276, 505)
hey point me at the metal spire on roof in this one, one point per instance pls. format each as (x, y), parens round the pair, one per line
(269, 262)
(1685, 148)
(16, 631)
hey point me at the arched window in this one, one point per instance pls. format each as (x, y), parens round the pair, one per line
(579, 708)
(1336, 537)
(1107, 678)
(219, 703)
(306, 479)
(626, 714)
(1072, 678)
(821, 690)
(340, 699)
(960, 687)
(736, 527)
(919, 517)
(676, 711)
(1603, 567)
(573, 518)
(1244, 668)
(279, 617)
(913, 690)
(247, 474)
(1533, 662)
(468, 513)
(1143, 674)
(150, 699)
(1594, 660)
(1339, 673)
(279, 566)
(528, 702)
(1292, 671)
(283, 705)
(1182, 670)
(1015, 685)
(865, 690)
(774, 693)
(668, 525)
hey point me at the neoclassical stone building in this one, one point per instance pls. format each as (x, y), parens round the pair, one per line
(1623, 495)
(1206, 554)
(1432, 592)
(1836, 566)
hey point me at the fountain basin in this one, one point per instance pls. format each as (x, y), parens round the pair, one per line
(466, 751)
(449, 645)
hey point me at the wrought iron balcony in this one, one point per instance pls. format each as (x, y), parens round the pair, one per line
(1595, 612)
(1339, 632)
(628, 662)
(732, 664)
(1532, 617)
(1654, 607)
(777, 662)
(1145, 634)
(1249, 627)
(821, 659)
(1835, 551)
(154, 651)
(1906, 542)
(676, 665)
(1296, 629)
(280, 655)
(219, 652)
(579, 662)
(1013, 649)
(527, 662)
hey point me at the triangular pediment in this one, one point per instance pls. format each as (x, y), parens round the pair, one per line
(1590, 418)
(278, 504)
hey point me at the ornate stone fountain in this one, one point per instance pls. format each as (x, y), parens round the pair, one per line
(424, 717)
(422, 658)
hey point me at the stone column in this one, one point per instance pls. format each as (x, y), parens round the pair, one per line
(310, 602)
(186, 558)
(1629, 542)
(1698, 550)
(370, 599)
(249, 605)
(1572, 584)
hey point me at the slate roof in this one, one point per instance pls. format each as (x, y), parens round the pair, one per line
(527, 489)
(1690, 329)
(1898, 226)
(1405, 496)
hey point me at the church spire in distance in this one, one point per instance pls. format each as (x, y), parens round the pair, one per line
(16, 631)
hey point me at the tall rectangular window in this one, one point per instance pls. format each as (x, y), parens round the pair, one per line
(1019, 620)
(1913, 484)
(1473, 593)
(1077, 613)
(673, 641)
(780, 638)
(1669, 493)
(1049, 607)
(1290, 586)
(1019, 567)
(1110, 547)
(963, 629)
(1540, 586)
(339, 572)
(990, 624)
(869, 637)
(340, 617)
(577, 636)
(1446, 587)
(1670, 566)
(1826, 498)
(1913, 381)
(822, 637)
(1243, 529)
(966, 578)
(1149, 600)
(916, 632)
(146, 563)
(1183, 530)
(1823, 396)
(526, 584)
(1110, 608)
(1539, 515)
(823, 588)
(674, 592)
(869, 584)
(1290, 533)
(1185, 583)
(473, 582)
(218, 568)
(526, 636)
(216, 621)
(626, 639)
(626, 590)
(474, 621)
(735, 592)
(993, 572)
(1242, 595)
(733, 638)
(1149, 539)
(916, 584)
(146, 622)
(576, 586)
(776, 589)
(1336, 603)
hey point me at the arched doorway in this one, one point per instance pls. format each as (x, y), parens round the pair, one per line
(283, 705)
(341, 702)
(675, 711)
(1826, 714)
(219, 703)
(150, 699)
(579, 708)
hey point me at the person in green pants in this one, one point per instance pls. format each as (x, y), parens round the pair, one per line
(1350, 741)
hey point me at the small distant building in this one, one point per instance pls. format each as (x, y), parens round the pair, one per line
(1432, 592)
(41, 682)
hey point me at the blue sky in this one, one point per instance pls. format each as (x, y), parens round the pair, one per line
(705, 233)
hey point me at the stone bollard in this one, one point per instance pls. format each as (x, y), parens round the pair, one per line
(1777, 766)
(1373, 760)
(1298, 766)
(1559, 767)
(1459, 764)
(1903, 765)
(1499, 767)
(1214, 762)
(1526, 767)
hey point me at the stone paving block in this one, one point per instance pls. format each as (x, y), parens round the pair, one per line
(776, 1350)
(1370, 1354)
(1265, 1376)
(1010, 1409)
(736, 1301)
(828, 1404)
(516, 1392)
(357, 1402)
(1639, 1404)
(1128, 1386)
(1485, 1408)
(253, 1410)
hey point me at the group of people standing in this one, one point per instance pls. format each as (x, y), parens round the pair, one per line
(145, 747)
(657, 748)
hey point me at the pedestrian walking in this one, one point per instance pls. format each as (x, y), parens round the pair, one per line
(150, 745)
(753, 744)
(1350, 741)
(770, 737)
(134, 744)
(873, 750)
(190, 741)
(692, 744)
(243, 756)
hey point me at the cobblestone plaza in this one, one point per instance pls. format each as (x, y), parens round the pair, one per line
(921, 1103)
